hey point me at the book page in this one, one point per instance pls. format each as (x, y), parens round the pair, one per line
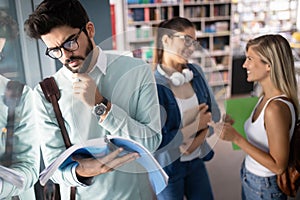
(102, 146)
(157, 176)
(12, 176)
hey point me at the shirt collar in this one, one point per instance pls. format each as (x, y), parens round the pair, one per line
(101, 61)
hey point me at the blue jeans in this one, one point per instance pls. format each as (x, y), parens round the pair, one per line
(188, 179)
(259, 188)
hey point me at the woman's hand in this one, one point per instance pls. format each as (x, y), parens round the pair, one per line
(227, 119)
(200, 123)
(225, 131)
(203, 116)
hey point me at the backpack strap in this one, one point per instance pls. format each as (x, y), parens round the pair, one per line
(12, 96)
(294, 151)
(52, 94)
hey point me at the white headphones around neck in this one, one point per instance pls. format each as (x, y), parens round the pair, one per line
(177, 78)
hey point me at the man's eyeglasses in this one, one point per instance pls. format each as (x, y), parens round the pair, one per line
(69, 45)
(188, 40)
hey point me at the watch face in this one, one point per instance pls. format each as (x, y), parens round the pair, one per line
(100, 109)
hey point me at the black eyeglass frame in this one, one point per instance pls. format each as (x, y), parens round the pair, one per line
(188, 40)
(63, 45)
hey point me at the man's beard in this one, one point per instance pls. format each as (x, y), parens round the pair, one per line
(86, 61)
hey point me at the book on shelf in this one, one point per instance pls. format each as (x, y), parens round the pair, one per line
(240, 109)
(113, 25)
(100, 147)
(147, 14)
(221, 10)
(12, 176)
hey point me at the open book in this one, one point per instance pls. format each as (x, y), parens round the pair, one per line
(11, 176)
(100, 147)
(240, 109)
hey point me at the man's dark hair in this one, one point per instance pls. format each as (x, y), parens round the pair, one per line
(54, 13)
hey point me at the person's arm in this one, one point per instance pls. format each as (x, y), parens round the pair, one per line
(26, 152)
(193, 143)
(135, 114)
(132, 110)
(132, 115)
(52, 144)
(90, 167)
(215, 110)
(196, 132)
(139, 126)
(277, 123)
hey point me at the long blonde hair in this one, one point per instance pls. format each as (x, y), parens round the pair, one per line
(275, 51)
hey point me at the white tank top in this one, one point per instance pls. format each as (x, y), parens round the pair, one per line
(184, 105)
(257, 136)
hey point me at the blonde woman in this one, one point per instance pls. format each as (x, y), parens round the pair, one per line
(269, 61)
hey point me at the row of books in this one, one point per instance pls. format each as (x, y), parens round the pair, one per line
(204, 11)
(218, 77)
(216, 27)
(139, 33)
(196, 11)
(152, 14)
(164, 1)
(151, 1)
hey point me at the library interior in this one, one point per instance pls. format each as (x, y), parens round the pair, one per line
(127, 27)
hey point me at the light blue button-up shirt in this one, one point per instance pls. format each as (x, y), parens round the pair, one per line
(128, 83)
(26, 153)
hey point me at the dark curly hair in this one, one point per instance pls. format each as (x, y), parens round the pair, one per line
(54, 13)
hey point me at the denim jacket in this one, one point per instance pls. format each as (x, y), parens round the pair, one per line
(168, 151)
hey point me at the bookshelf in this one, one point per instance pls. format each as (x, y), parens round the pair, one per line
(255, 17)
(140, 19)
(251, 18)
(213, 23)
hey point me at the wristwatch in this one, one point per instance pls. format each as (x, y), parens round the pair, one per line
(100, 109)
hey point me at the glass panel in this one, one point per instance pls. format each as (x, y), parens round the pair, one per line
(11, 62)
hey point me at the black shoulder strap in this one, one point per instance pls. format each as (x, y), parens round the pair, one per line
(295, 142)
(12, 98)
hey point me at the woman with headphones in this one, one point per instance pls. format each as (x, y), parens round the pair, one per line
(187, 105)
